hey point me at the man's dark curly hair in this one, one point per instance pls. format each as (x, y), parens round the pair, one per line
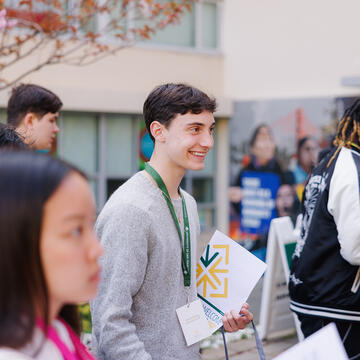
(348, 131)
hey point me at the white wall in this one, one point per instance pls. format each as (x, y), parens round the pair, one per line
(290, 48)
(121, 83)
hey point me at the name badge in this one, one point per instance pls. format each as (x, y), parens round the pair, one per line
(193, 322)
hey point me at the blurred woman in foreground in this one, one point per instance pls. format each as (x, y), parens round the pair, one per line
(48, 257)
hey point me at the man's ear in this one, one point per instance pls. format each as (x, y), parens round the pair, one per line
(29, 120)
(157, 131)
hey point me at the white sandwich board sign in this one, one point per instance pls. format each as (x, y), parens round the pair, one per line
(276, 319)
(323, 345)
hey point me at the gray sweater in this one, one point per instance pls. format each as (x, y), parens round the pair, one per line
(134, 313)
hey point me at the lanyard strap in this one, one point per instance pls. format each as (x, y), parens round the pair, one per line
(258, 343)
(185, 243)
(259, 346)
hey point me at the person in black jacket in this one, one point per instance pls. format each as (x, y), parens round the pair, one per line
(325, 271)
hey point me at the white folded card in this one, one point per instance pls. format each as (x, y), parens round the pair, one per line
(325, 344)
(225, 276)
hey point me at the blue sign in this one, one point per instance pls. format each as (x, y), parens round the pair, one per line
(146, 146)
(257, 207)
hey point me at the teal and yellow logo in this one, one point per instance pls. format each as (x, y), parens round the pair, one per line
(210, 282)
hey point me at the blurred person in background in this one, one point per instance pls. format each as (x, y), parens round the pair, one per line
(328, 147)
(265, 169)
(262, 159)
(48, 257)
(287, 202)
(307, 159)
(33, 111)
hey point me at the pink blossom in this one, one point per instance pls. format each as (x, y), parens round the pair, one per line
(4, 23)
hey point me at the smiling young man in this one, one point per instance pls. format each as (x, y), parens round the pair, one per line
(33, 110)
(149, 228)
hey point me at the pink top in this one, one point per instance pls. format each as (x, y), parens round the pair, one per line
(81, 353)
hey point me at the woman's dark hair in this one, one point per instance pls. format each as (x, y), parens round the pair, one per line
(31, 98)
(256, 133)
(301, 143)
(166, 101)
(27, 181)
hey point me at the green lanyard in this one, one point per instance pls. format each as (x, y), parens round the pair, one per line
(185, 244)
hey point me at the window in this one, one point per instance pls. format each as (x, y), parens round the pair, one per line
(209, 25)
(182, 34)
(197, 29)
(100, 145)
(110, 148)
(48, 14)
(78, 144)
(82, 9)
(119, 151)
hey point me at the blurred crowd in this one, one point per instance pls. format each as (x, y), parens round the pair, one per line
(291, 180)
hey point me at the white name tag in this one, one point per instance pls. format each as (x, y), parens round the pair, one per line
(193, 322)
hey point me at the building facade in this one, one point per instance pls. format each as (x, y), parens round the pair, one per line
(102, 129)
(240, 51)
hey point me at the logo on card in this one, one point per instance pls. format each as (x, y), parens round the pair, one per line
(212, 272)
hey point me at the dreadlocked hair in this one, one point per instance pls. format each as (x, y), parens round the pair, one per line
(348, 131)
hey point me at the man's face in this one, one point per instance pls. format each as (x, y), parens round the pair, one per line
(188, 139)
(44, 131)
